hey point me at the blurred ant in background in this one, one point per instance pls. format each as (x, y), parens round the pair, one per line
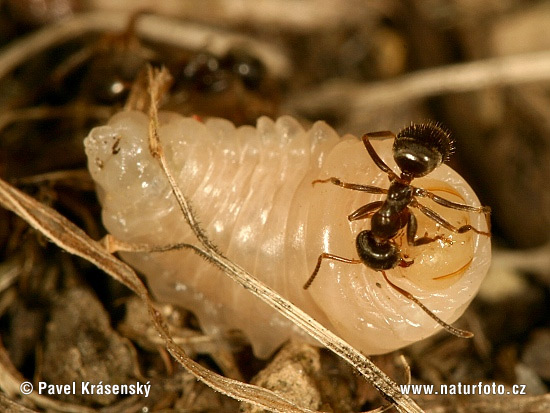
(235, 86)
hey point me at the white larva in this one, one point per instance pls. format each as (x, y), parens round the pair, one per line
(251, 190)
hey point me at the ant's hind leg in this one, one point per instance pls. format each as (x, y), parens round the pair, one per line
(446, 224)
(375, 157)
(326, 256)
(453, 330)
(412, 227)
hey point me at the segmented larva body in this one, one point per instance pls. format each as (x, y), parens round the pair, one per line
(251, 189)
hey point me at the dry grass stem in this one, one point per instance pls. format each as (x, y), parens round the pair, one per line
(364, 366)
(155, 28)
(72, 239)
(300, 15)
(463, 77)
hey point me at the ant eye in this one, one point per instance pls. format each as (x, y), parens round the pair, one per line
(420, 148)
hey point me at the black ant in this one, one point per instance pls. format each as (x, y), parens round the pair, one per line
(417, 149)
(206, 72)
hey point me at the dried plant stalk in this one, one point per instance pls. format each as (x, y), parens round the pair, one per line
(72, 239)
(462, 77)
(299, 15)
(388, 388)
(155, 28)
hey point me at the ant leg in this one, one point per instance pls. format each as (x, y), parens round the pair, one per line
(444, 223)
(326, 256)
(365, 211)
(453, 330)
(370, 149)
(454, 205)
(412, 227)
(356, 187)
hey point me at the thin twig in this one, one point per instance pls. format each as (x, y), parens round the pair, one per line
(72, 239)
(155, 28)
(298, 15)
(386, 386)
(342, 95)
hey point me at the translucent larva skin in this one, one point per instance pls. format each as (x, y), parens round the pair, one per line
(251, 190)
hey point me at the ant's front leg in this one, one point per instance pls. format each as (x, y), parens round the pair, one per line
(356, 187)
(412, 227)
(444, 223)
(421, 192)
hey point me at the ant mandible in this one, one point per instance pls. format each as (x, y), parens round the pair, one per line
(417, 150)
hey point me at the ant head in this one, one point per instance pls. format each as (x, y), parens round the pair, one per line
(420, 148)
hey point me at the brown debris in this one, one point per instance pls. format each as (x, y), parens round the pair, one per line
(80, 346)
(291, 374)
